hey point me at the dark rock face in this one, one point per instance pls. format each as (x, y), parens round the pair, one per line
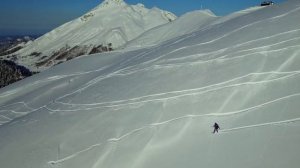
(267, 3)
(101, 48)
(10, 45)
(10, 72)
(9, 50)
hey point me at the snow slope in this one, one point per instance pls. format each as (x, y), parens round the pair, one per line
(154, 107)
(113, 21)
(185, 24)
(188, 23)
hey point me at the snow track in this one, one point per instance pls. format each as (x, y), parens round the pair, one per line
(260, 125)
(154, 107)
(180, 94)
(153, 125)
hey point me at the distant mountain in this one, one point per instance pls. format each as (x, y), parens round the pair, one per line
(9, 43)
(107, 27)
(12, 38)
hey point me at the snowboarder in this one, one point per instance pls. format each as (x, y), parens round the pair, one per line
(216, 127)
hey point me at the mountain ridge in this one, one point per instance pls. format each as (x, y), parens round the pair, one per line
(108, 26)
(109, 3)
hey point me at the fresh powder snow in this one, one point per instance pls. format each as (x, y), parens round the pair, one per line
(155, 106)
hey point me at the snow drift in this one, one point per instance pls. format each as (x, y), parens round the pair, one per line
(154, 107)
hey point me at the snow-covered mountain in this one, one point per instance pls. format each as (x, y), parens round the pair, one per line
(154, 107)
(106, 27)
(188, 23)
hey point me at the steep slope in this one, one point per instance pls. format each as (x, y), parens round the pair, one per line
(188, 23)
(108, 26)
(154, 107)
(185, 24)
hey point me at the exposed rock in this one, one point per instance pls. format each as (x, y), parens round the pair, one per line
(67, 53)
(10, 50)
(101, 48)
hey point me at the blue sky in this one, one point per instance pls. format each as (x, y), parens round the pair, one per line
(39, 16)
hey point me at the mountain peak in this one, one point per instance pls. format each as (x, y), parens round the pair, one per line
(107, 3)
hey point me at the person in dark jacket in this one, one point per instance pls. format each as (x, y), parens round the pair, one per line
(216, 127)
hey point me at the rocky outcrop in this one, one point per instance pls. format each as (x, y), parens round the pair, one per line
(67, 53)
(9, 45)
(9, 50)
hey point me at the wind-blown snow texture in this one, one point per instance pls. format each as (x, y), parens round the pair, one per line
(154, 107)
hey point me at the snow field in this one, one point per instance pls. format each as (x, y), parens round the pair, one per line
(155, 107)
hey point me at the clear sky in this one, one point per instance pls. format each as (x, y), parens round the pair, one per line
(25, 17)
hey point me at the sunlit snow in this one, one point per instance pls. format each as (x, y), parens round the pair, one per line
(155, 106)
